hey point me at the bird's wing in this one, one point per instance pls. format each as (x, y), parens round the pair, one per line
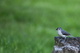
(65, 33)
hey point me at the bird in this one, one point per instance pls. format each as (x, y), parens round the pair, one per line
(62, 32)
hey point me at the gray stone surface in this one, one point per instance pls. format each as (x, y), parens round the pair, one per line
(67, 45)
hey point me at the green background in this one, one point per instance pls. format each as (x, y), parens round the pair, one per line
(28, 26)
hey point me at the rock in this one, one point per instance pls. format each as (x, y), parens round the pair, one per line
(67, 45)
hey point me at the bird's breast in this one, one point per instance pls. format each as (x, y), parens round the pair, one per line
(59, 32)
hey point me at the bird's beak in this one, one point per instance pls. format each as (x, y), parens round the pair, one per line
(57, 29)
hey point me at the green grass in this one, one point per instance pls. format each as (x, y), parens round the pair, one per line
(28, 26)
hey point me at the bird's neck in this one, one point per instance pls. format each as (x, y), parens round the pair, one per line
(59, 32)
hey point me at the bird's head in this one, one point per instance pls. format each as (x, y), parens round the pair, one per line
(59, 28)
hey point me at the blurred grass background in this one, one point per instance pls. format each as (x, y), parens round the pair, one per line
(28, 26)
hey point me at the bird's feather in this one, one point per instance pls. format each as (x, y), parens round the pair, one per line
(65, 33)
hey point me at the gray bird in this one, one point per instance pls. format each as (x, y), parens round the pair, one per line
(62, 32)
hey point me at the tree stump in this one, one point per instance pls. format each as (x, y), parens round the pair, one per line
(67, 45)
